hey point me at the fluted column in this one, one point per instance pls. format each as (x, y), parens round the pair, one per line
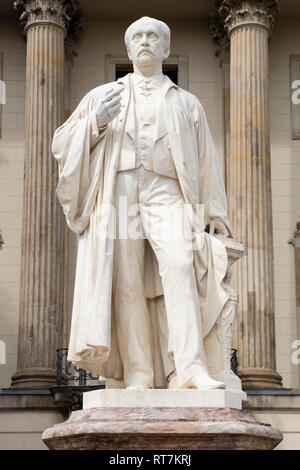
(45, 23)
(249, 24)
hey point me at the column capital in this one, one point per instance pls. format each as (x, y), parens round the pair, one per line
(64, 14)
(241, 13)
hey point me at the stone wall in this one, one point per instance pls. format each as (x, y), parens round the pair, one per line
(285, 160)
(13, 47)
(282, 412)
(22, 430)
(23, 418)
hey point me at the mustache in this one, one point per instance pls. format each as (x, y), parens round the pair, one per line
(145, 49)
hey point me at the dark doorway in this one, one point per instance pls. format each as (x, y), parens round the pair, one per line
(168, 69)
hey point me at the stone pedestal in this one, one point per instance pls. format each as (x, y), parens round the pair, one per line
(161, 398)
(161, 420)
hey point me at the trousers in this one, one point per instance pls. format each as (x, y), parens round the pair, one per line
(155, 211)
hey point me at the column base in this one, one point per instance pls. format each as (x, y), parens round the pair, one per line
(34, 378)
(161, 428)
(259, 378)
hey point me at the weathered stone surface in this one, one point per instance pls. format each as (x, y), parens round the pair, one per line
(42, 293)
(248, 178)
(256, 13)
(26, 401)
(162, 428)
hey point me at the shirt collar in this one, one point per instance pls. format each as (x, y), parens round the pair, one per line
(167, 82)
(156, 79)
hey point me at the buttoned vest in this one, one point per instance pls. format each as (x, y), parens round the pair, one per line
(140, 145)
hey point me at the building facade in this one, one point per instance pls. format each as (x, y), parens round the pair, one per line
(242, 60)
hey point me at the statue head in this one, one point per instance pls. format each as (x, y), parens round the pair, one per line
(148, 42)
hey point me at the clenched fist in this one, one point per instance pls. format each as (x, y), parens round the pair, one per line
(110, 106)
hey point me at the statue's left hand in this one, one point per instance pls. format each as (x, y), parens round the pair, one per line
(216, 227)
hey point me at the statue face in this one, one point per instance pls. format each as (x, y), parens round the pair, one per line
(147, 44)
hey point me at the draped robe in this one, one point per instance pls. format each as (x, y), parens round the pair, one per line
(88, 163)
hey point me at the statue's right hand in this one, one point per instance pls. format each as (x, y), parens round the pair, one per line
(109, 107)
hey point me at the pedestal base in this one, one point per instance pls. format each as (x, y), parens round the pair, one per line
(157, 398)
(161, 428)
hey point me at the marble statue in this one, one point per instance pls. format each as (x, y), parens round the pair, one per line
(152, 308)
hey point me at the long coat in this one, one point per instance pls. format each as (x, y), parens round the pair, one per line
(88, 163)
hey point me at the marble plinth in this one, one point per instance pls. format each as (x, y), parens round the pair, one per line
(178, 420)
(161, 428)
(115, 398)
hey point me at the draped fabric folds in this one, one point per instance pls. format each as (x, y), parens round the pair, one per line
(88, 162)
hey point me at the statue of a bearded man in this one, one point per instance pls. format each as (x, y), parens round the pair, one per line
(140, 183)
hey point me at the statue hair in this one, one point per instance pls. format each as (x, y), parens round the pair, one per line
(163, 27)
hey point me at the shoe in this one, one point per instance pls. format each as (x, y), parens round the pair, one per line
(200, 382)
(204, 382)
(138, 387)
